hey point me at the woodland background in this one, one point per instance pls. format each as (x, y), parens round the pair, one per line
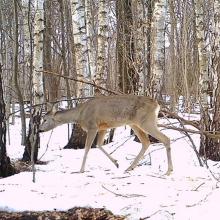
(56, 50)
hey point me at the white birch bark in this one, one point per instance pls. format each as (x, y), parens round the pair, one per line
(26, 49)
(89, 33)
(26, 31)
(202, 50)
(101, 74)
(158, 27)
(80, 41)
(38, 53)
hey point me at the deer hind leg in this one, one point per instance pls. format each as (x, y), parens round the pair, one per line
(101, 136)
(153, 130)
(143, 137)
(89, 140)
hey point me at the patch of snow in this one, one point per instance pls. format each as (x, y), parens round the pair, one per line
(189, 192)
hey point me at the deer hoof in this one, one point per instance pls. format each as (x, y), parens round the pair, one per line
(82, 171)
(168, 172)
(129, 169)
(116, 163)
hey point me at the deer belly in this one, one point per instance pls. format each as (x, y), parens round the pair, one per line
(107, 125)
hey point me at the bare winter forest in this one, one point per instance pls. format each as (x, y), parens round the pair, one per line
(66, 52)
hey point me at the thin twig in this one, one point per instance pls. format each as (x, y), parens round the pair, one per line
(123, 195)
(207, 133)
(121, 144)
(196, 189)
(81, 81)
(47, 145)
(192, 142)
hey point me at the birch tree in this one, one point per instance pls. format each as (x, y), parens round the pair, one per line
(90, 37)
(33, 139)
(203, 68)
(100, 77)
(78, 136)
(80, 42)
(158, 46)
(210, 83)
(16, 73)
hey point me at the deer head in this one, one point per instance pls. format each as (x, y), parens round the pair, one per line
(49, 119)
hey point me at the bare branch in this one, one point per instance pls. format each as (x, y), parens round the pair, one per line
(82, 81)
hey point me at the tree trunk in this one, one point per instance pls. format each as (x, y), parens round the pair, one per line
(50, 81)
(210, 148)
(158, 47)
(78, 138)
(101, 73)
(91, 53)
(128, 78)
(147, 88)
(17, 87)
(80, 41)
(63, 52)
(173, 54)
(6, 169)
(33, 139)
(204, 78)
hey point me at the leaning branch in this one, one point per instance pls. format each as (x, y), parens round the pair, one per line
(179, 118)
(216, 135)
(81, 81)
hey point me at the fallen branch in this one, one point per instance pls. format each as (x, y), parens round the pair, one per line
(123, 195)
(207, 133)
(194, 123)
(196, 189)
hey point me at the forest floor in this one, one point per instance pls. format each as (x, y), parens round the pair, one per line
(191, 192)
(71, 214)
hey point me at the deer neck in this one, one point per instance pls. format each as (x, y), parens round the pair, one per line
(68, 116)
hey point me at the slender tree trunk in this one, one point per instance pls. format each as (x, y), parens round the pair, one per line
(90, 38)
(33, 139)
(6, 168)
(16, 70)
(158, 46)
(184, 51)
(101, 73)
(50, 81)
(148, 49)
(173, 54)
(63, 51)
(80, 41)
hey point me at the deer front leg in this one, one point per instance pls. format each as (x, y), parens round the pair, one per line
(101, 136)
(89, 140)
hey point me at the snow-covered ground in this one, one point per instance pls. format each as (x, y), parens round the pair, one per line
(190, 192)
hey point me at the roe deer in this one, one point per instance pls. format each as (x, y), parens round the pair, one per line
(102, 113)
